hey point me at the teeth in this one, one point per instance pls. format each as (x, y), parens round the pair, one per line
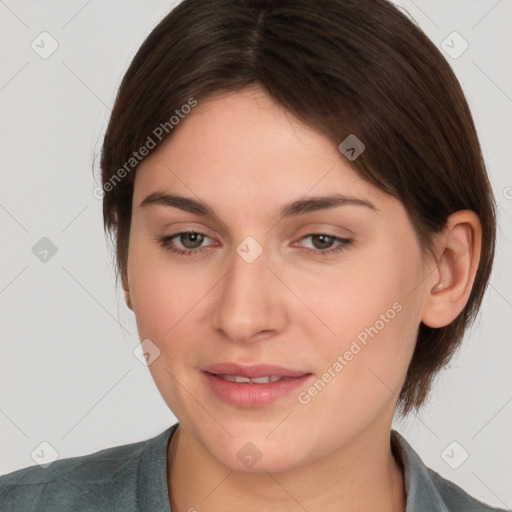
(257, 380)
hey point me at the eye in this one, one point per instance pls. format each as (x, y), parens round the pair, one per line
(190, 242)
(325, 245)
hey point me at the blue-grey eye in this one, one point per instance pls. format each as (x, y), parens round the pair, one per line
(191, 240)
(324, 241)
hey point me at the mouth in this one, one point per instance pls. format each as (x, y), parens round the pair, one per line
(252, 386)
(253, 371)
(257, 380)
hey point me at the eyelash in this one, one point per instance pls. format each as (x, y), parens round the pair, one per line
(165, 243)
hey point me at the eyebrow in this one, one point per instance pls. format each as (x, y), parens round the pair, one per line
(291, 209)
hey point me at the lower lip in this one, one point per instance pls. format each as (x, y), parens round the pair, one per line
(249, 394)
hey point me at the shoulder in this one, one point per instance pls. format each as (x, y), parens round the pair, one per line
(428, 490)
(457, 498)
(104, 480)
(75, 481)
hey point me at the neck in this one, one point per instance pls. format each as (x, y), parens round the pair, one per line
(363, 476)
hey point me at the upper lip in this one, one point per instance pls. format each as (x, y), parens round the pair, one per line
(252, 371)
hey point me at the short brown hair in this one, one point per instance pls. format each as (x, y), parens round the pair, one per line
(343, 67)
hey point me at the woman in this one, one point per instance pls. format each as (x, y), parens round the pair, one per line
(304, 230)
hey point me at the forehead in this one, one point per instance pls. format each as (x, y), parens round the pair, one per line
(244, 147)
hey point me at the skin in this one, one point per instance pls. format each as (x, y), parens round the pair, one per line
(245, 156)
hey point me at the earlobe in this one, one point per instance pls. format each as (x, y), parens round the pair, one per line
(127, 298)
(458, 249)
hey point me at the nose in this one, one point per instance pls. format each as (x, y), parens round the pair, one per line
(252, 303)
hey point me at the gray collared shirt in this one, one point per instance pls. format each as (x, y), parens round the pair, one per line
(133, 478)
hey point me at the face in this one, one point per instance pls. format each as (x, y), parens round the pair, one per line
(267, 276)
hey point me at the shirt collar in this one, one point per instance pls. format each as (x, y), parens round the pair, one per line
(421, 491)
(153, 493)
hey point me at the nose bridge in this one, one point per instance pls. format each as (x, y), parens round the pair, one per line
(249, 302)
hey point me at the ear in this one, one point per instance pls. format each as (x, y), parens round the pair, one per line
(126, 289)
(457, 257)
(127, 298)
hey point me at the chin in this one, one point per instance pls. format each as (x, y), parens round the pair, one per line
(258, 453)
(268, 463)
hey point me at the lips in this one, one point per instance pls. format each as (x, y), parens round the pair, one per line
(253, 386)
(253, 371)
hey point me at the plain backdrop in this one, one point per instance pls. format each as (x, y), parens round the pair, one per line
(68, 375)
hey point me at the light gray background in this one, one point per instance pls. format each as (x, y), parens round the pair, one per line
(67, 372)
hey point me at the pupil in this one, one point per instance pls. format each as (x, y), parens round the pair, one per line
(194, 238)
(326, 240)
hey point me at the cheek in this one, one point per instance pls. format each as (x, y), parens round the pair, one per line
(163, 294)
(362, 363)
(372, 318)
(366, 289)
(165, 299)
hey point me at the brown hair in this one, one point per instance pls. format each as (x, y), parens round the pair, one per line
(343, 67)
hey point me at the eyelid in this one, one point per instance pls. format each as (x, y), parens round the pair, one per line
(326, 233)
(178, 228)
(339, 243)
(323, 228)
